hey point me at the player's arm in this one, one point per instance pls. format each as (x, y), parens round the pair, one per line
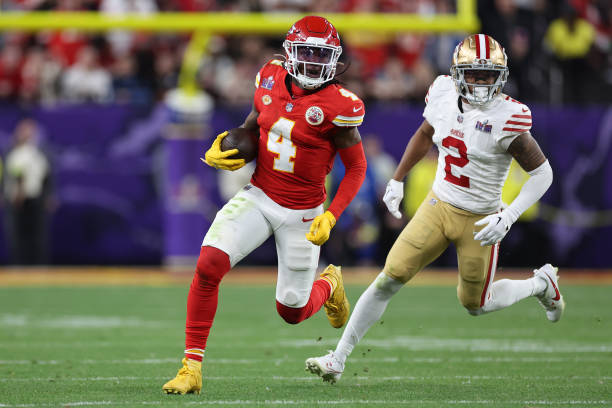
(420, 143)
(251, 120)
(348, 142)
(418, 146)
(525, 150)
(219, 159)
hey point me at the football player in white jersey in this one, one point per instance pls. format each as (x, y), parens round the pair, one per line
(478, 131)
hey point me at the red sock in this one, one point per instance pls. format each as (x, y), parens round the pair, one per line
(319, 295)
(202, 300)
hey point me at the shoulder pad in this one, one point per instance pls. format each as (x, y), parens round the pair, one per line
(350, 109)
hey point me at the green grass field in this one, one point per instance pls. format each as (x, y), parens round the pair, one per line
(116, 346)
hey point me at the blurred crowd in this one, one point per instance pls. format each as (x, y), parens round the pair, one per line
(549, 44)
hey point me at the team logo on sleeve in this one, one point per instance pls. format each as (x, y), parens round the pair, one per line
(266, 99)
(314, 115)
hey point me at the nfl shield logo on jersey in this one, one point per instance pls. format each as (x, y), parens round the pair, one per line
(314, 115)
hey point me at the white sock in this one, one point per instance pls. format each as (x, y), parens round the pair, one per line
(506, 292)
(369, 308)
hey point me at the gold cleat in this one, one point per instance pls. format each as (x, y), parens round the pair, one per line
(188, 380)
(337, 306)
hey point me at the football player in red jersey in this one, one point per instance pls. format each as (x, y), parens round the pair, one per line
(304, 117)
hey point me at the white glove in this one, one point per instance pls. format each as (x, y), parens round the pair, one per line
(497, 226)
(393, 196)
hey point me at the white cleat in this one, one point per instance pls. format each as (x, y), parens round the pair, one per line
(551, 298)
(327, 367)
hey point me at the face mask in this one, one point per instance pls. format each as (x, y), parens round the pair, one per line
(481, 92)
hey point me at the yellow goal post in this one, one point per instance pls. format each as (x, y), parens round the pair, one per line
(204, 24)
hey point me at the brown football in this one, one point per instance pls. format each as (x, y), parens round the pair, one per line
(246, 141)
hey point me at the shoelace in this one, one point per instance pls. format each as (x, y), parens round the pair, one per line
(184, 371)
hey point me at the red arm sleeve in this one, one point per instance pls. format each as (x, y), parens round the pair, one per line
(355, 163)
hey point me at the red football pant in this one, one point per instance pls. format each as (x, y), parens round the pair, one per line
(202, 300)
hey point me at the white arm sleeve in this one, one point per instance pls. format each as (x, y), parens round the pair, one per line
(533, 189)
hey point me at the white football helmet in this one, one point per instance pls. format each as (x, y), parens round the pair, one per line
(479, 52)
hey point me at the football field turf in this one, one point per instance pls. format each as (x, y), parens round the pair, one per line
(116, 345)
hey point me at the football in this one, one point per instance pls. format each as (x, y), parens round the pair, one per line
(246, 141)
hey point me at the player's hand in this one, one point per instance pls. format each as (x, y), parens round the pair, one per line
(321, 227)
(496, 228)
(393, 196)
(219, 160)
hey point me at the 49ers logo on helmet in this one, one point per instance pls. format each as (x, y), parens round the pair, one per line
(314, 115)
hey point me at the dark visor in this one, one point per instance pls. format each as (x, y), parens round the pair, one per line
(482, 74)
(309, 53)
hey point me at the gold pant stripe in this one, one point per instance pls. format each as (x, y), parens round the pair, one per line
(490, 273)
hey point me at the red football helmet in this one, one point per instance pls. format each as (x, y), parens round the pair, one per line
(312, 48)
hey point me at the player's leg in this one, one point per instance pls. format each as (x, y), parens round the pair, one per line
(298, 294)
(368, 309)
(477, 264)
(238, 228)
(421, 242)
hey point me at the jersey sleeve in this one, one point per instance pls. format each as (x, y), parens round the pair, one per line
(270, 68)
(517, 121)
(440, 86)
(351, 109)
(264, 80)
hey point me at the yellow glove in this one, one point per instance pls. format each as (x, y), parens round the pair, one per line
(320, 228)
(219, 160)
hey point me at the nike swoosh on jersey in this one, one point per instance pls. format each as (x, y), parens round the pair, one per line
(524, 110)
(357, 109)
(307, 219)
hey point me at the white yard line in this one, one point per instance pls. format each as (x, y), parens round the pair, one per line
(313, 378)
(417, 343)
(77, 322)
(355, 360)
(403, 343)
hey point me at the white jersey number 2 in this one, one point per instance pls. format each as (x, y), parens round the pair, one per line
(279, 142)
(461, 161)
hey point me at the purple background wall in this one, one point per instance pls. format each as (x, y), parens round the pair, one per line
(114, 189)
